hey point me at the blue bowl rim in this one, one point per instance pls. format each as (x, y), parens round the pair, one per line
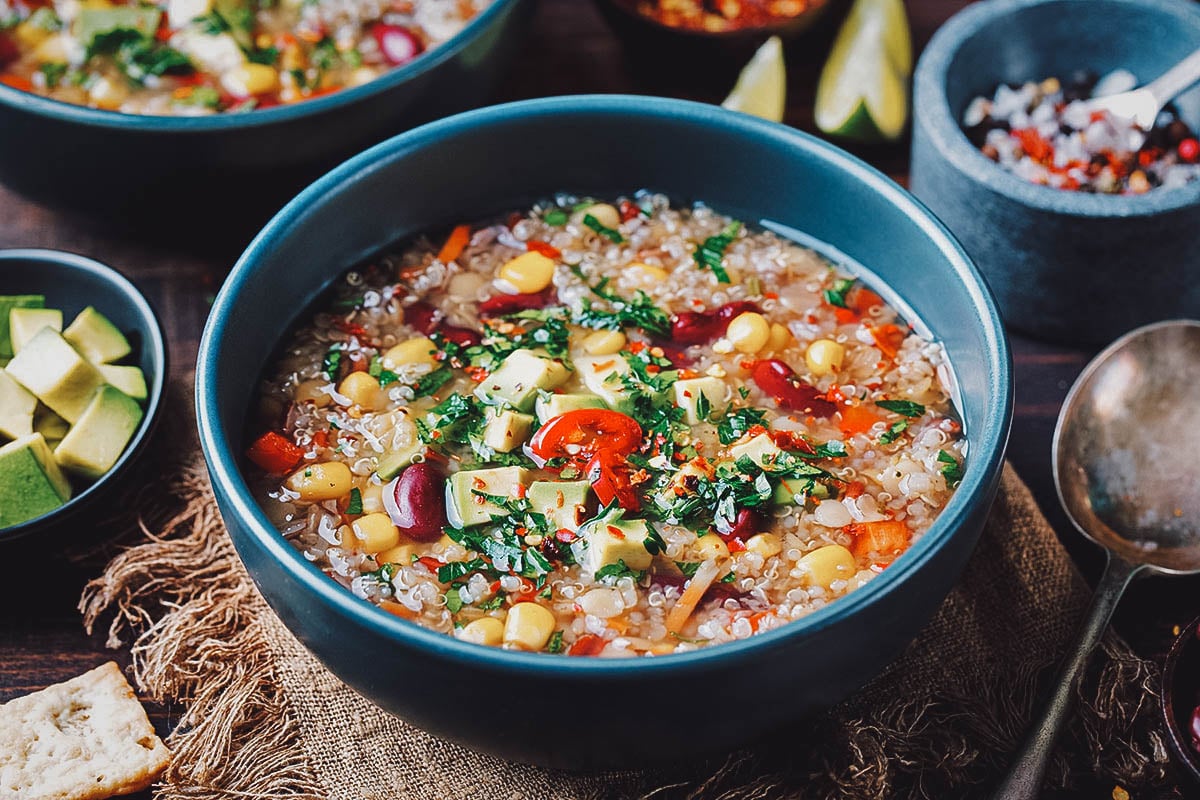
(167, 124)
(154, 402)
(982, 467)
(949, 140)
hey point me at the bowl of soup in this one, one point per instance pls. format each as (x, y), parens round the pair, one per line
(197, 117)
(621, 426)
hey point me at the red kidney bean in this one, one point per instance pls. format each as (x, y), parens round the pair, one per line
(698, 327)
(779, 381)
(9, 51)
(463, 337)
(418, 506)
(501, 304)
(422, 316)
(397, 43)
(745, 526)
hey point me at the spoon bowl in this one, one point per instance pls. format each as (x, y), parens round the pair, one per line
(1125, 451)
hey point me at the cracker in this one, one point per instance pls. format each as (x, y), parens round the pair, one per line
(85, 739)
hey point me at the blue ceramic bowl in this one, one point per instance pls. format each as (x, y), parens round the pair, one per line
(72, 283)
(498, 159)
(204, 177)
(1064, 265)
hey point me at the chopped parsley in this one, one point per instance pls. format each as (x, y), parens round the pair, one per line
(618, 570)
(356, 505)
(555, 645)
(599, 227)
(556, 217)
(711, 253)
(458, 569)
(454, 601)
(905, 408)
(332, 362)
(737, 421)
(730, 578)
(688, 568)
(385, 376)
(637, 313)
(830, 449)
(952, 471)
(893, 433)
(492, 603)
(53, 71)
(138, 55)
(430, 383)
(837, 295)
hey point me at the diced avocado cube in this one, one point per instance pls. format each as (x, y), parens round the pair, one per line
(688, 393)
(23, 323)
(604, 376)
(98, 438)
(610, 542)
(129, 380)
(31, 484)
(58, 375)
(7, 304)
(93, 22)
(96, 338)
(547, 408)
(563, 502)
(505, 431)
(51, 426)
(518, 379)
(17, 405)
(464, 508)
(790, 488)
(761, 450)
(391, 463)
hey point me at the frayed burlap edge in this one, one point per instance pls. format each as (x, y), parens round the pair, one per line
(196, 624)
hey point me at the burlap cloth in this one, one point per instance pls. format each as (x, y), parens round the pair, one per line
(265, 720)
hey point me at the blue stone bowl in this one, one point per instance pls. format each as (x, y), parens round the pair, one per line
(71, 282)
(1065, 266)
(495, 160)
(193, 179)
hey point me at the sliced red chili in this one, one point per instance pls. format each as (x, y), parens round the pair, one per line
(587, 645)
(275, 453)
(502, 304)
(580, 434)
(779, 381)
(609, 475)
(548, 250)
(421, 316)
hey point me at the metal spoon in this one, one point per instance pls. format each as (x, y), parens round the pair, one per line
(1141, 106)
(1126, 452)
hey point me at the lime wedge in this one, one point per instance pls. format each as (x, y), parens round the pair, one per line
(863, 92)
(761, 87)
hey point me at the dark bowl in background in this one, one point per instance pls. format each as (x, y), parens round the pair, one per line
(1065, 266)
(491, 161)
(1180, 694)
(72, 282)
(193, 179)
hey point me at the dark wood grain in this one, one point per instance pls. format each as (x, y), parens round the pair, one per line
(569, 50)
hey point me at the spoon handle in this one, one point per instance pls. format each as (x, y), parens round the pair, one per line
(1025, 773)
(1177, 79)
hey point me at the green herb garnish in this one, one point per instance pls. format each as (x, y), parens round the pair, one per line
(618, 570)
(905, 408)
(556, 217)
(734, 424)
(53, 72)
(711, 253)
(837, 295)
(331, 363)
(555, 645)
(355, 506)
(952, 471)
(637, 313)
(599, 227)
(429, 384)
(893, 433)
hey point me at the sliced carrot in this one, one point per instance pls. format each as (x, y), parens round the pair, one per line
(889, 537)
(857, 419)
(845, 315)
(863, 299)
(17, 82)
(456, 242)
(888, 338)
(392, 607)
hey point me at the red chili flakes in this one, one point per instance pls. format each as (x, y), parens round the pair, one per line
(616, 532)
(548, 250)
(477, 374)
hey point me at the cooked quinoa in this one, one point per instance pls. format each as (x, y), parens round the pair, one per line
(606, 429)
(197, 57)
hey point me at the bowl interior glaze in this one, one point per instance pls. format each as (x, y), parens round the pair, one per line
(71, 282)
(506, 157)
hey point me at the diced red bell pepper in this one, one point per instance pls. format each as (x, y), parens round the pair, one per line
(275, 453)
(587, 645)
(609, 475)
(500, 305)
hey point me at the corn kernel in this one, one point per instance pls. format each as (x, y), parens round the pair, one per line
(375, 533)
(419, 350)
(326, 481)
(604, 343)
(372, 498)
(781, 337)
(748, 332)
(250, 79)
(607, 215)
(528, 626)
(401, 554)
(310, 392)
(766, 545)
(648, 272)
(710, 546)
(528, 273)
(362, 390)
(828, 564)
(485, 630)
(31, 35)
(107, 94)
(824, 356)
(292, 58)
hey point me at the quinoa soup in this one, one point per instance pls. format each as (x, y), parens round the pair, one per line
(605, 429)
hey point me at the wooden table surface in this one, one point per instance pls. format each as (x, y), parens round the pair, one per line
(569, 50)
